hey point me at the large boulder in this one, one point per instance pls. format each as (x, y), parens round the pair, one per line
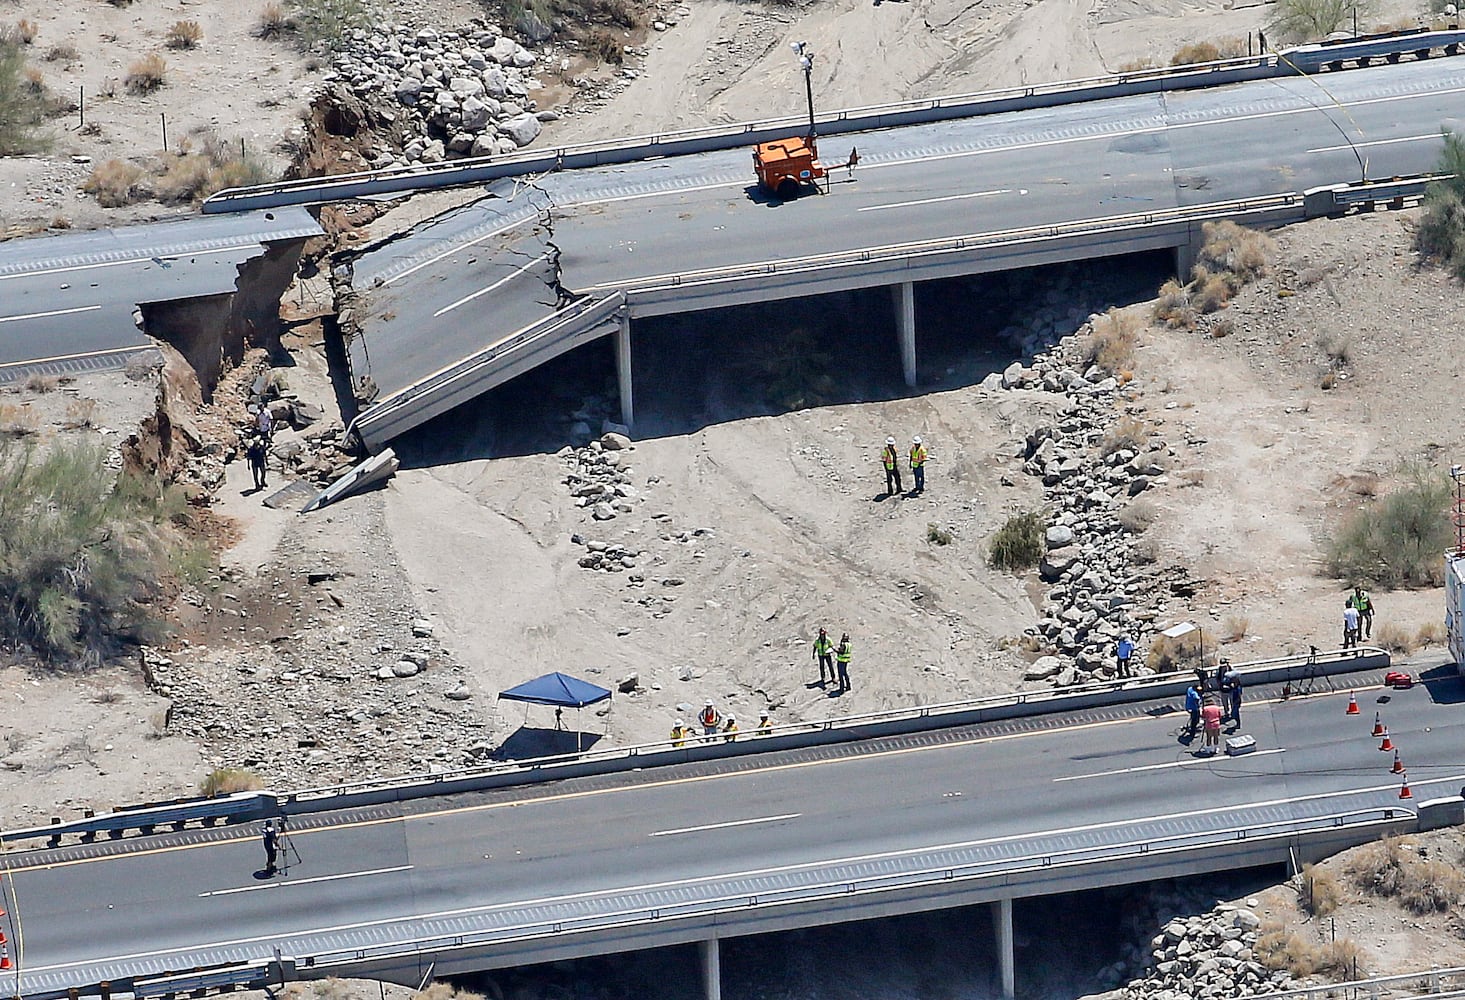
(523, 128)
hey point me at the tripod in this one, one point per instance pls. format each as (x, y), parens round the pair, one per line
(287, 847)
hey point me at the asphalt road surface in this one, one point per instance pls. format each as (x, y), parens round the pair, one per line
(478, 275)
(67, 302)
(609, 844)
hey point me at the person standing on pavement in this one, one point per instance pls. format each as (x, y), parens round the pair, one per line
(890, 458)
(1192, 705)
(710, 718)
(841, 659)
(824, 653)
(1362, 602)
(272, 845)
(918, 464)
(1231, 691)
(1210, 716)
(1123, 650)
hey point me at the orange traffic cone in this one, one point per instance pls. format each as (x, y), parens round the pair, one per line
(1398, 767)
(5, 957)
(1404, 793)
(1378, 725)
(1387, 744)
(1352, 704)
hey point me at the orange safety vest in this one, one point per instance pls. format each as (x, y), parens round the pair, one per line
(710, 716)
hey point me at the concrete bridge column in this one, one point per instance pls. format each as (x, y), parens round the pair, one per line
(905, 318)
(711, 969)
(623, 369)
(1002, 924)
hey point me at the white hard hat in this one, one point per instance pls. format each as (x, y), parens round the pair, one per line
(709, 702)
(679, 723)
(890, 440)
(916, 439)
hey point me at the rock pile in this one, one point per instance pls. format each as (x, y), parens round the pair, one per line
(600, 479)
(1203, 957)
(459, 93)
(1099, 589)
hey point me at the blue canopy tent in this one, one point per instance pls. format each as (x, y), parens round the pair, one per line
(560, 690)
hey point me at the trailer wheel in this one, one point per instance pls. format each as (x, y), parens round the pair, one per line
(788, 189)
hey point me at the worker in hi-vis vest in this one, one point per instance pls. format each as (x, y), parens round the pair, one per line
(710, 719)
(679, 733)
(890, 458)
(824, 653)
(841, 659)
(918, 463)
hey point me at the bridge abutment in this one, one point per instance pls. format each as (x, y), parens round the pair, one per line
(1002, 925)
(711, 950)
(905, 319)
(623, 369)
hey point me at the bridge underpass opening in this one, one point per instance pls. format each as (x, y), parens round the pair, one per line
(693, 370)
(1064, 947)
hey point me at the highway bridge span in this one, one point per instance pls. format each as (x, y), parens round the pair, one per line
(716, 843)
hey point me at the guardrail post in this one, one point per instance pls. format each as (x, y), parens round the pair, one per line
(905, 318)
(711, 969)
(1002, 925)
(623, 368)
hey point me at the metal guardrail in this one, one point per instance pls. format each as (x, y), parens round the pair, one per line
(713, 138)
(232, 808)
(1035, 703)
(1432, 982)
(845, 887)
(252, 975)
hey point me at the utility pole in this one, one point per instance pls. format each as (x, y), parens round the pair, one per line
(806, 60)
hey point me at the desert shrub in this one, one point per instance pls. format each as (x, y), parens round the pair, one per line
(17, 421)
(1396, 540)
(84, 553)
(1235, 628)
(446, 991)
(1337, 347)
(1137, 515)
(1235, 251)
(1173, 307)
(22, 105)
(324, 24)
(115, 183)
(273, 21)
(184, 35)
(1019, 543)
(183, 178)
(227, 780)
(1394, 637)
(147, 74)
(1127, 433)
(1314, 20)
(80, 413)
(937, 535)
(1168, 655)
(41, 384)
(1111, 345)
(62, 52)
(606, 47)
(1321, 894)
(1281, 949)
(26, 31)
(1210, 292)
(1430, 634)
(1397, 868)
(1138, 65)
(1201, 52)
(1441, 232)
(1221, 329)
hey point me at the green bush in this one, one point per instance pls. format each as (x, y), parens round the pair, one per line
(326, 23)
(227, 780)
(1396, 540)
(22, 105)
(1018, 544)
(1441, 232)
(84, 552)
(1314, 20)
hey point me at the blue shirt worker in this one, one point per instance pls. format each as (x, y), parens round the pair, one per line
(1231, 690)
(1122, 652)
(1192, 705)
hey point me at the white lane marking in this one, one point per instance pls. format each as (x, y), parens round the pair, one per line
(303, 881)
(53, 312)
(73, 357)
(1377, 142)
(130, 260)
(497, 284)
(933, 201)
(455, 248)
(721, 826)
(658, 194)
(1161, 767)
(1209, 810)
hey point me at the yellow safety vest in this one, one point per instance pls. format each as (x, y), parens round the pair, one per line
(843, 653)
(918, 456)
(822, 646)
(888, 457)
